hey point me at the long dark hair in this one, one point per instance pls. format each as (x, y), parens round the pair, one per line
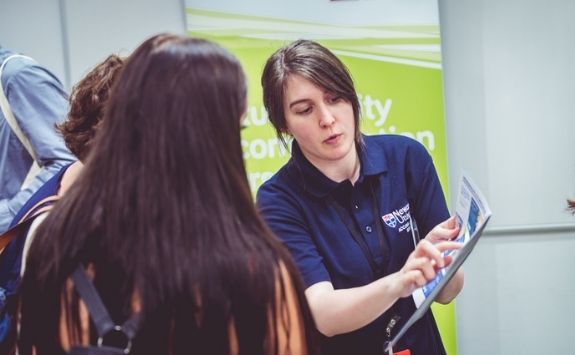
(163, 211)
(315, 63)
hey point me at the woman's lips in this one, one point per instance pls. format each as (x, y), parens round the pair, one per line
(333, 139)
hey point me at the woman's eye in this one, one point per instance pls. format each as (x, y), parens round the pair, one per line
(334, 99)
(304, 111)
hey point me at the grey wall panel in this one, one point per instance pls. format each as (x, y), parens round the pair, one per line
(71, 36)
(528, 79)
(464, 93)
(508, 69)
(518, 296)
(33, 27)
(97, 28)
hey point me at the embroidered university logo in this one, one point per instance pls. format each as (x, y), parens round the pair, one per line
(398, 216)
(390, 220)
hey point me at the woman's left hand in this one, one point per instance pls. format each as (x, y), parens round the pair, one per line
(446, 230)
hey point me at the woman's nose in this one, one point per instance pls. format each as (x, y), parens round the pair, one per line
(326, 117)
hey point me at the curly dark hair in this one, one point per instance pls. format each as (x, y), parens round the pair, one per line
(87, 105)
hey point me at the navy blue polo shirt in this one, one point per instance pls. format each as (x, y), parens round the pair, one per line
(298, 205)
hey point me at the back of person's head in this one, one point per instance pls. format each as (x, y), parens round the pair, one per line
(164, 212)
(87, 105)
(180, 100)
(313, 62)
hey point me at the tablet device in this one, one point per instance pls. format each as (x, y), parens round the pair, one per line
(476, 214)
(438, 284)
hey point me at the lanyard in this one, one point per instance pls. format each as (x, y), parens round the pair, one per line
(385, 250)
(355, 231)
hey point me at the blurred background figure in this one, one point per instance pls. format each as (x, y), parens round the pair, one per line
(33, 102)
(87, 106)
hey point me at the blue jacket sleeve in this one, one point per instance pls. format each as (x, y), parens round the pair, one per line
(38, 102)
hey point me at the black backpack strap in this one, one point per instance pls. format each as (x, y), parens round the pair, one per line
(100, 316)
(96, 308)
(131, 326)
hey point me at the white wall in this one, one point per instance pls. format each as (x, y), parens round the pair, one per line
(71, 36)
(509, 74)
(97, 28)
(33, 27)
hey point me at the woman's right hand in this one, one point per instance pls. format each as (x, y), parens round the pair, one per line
(422, 265)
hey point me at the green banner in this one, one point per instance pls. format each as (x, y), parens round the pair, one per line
(396, 68)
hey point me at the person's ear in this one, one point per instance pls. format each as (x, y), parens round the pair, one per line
(285, 130)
